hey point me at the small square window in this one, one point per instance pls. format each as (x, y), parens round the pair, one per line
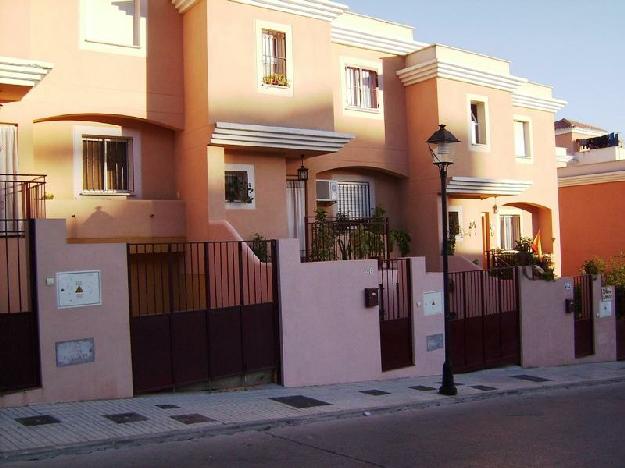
(106, 164)
(361, 88)
(274, 59)
(453, 224)
(239, 186)
(478, 123)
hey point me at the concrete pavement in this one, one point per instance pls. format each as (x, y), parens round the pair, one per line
(47, 430)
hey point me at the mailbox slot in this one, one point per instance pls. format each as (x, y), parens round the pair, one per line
(569, 306)
(372, 297)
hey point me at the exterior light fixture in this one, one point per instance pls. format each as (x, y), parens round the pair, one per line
(302, 172)
(441, 148)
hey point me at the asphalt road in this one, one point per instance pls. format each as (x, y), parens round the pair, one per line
(568, 428)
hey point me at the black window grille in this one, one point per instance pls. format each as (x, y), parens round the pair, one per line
(354, 199)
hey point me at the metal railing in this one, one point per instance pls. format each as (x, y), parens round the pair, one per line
(22, 197)
(347, 239)
(509, 258)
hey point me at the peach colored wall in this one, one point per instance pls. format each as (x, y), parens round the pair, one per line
(333, 337)
(548, 333)
(110, 375)
(589, 226)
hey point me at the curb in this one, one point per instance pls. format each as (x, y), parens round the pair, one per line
(264, 425)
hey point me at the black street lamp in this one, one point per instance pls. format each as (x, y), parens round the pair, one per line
(441, 148)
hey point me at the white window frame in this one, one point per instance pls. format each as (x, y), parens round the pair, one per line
(362, 112)
(456, 209)
(249, 169)
(483, 147)
(260, 85)
(134, 156)
(347, 177)
(508, 211)
(138, 48)
(529, 140)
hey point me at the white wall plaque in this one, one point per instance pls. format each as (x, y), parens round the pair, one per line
(78, 289)
(606, 294)
(70, 353)
(605, 308)
(432, 302)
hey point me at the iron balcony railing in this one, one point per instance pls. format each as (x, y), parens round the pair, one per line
(22, 197)
(347, 239)
(509, 258)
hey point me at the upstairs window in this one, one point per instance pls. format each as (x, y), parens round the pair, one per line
(478, 123)
(274, 58)
(114, 22)
(521, 139)
(106, 163)
(510, 231)
(362, 88)
(239, 186)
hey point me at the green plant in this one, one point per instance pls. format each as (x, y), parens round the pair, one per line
(524, 244)
(48, 196)
(276, 79)
(593, 266)
(259, 247)
(402, 239)
(323, 238)
(615, 272)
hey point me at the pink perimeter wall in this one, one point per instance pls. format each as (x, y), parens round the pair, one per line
(329, 336)
(110, 374)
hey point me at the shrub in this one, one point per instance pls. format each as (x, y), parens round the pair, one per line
(593, 266)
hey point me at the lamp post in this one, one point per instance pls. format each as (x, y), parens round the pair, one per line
(441, 148)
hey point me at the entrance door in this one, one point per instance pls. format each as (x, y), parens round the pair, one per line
(296, 211)
(620, 324)
(584, 330)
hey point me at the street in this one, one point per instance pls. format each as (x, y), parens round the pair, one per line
(569, 428)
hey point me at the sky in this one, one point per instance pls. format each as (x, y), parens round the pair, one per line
(575, 46)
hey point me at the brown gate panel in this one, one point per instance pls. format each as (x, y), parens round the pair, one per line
(584, 329)
(151, 353)
(620, 323)
(226, 352)
(260, 325)
(189, 347)
(19, 356)
(485, 325)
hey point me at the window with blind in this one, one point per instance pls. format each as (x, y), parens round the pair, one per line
(521, 139)
(361, 88)
(274, 59)
(510, 231)
(106, 164)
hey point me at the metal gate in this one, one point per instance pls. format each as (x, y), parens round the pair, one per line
(620, 324)
(395, 314)
(485, 326)
(584, 330)
(202, 311)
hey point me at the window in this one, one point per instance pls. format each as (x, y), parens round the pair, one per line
(274, 58)
(114, 22)
(510, 231)
(239, 186)
(362, 88)
(478, 123)
(354, 199)
(106, 165)
(454, 222)
(522, 139)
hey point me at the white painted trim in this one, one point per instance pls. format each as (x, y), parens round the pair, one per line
(249, 168)
(589, 132)
(183, 5)
(20, 72)
(591, 179)
(113, 48)
(537, 103)
(135, 156)
(475, 185)
(262, 136)
(439, 69)
(478, 147)
(529, 143)
(319, 9)
(375, 65)
(288, 33)
(366, 40)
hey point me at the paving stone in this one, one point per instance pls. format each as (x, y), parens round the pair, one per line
(39, 420)
(300, 401)
(423, 388)
(191, 418)
(483, 388)
(374, 392)
(531, 378)
(123, 418)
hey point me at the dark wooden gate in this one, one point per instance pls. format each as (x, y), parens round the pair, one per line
(584, 330)
(485, 326)
(395, 314)
(620, 323)
(202, 311)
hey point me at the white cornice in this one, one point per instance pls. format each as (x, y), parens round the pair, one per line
(582, 131)
(20, 72)
(439, 69)
(183, 5)
(489, 187)
(263, 136)
(590, 179)
(538, 103)
(365, 40)
(319, 9)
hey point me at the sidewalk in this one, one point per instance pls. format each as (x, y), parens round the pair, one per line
(45, 430)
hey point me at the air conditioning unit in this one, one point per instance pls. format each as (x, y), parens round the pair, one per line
(327, 190)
